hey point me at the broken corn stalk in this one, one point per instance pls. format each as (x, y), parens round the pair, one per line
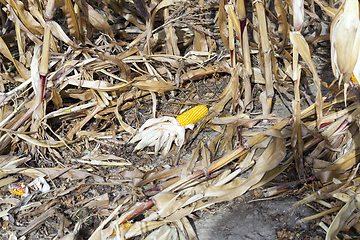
(193, 115)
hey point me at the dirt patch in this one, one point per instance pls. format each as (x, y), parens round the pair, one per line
(268, 219)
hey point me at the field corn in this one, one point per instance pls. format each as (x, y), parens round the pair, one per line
(192, 115)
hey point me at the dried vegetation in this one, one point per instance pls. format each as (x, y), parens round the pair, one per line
(79, 78)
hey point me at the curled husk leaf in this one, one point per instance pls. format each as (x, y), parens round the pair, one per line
(161, 133)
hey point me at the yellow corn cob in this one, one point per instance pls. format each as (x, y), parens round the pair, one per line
(193, 115)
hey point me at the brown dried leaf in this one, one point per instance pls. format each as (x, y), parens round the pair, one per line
(35, 223)
(124, 69)
(270, 158)
(71, 19)
(340, 219)
(303, 48)
(283, 24)
(181, 213)
(164, 232)
(189, 229)
(26, 18)
(99, 201)
(142, 9)
(25, 74)
(51, 172)
(94, 18)
(205, 156)
(243, 120)
(171, 38)
(155, 86)
(7, 181)
(42, 143)
(142, 227)
(329, 11)
(191, 164)
(8, 161)
(58, 32)
(118, 8)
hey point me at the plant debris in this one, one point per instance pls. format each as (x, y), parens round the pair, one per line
(82, 81)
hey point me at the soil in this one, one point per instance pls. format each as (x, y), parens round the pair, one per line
(267, 219)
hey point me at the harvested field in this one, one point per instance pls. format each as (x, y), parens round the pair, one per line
(165, 119)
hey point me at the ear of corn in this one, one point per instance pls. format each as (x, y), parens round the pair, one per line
(193, 115)
(345, 50)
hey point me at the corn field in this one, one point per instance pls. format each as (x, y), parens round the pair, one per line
(144, 112)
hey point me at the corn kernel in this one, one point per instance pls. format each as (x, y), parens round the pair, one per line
(18, 189)
(354, 80)
(193, 115)
(121, 228)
